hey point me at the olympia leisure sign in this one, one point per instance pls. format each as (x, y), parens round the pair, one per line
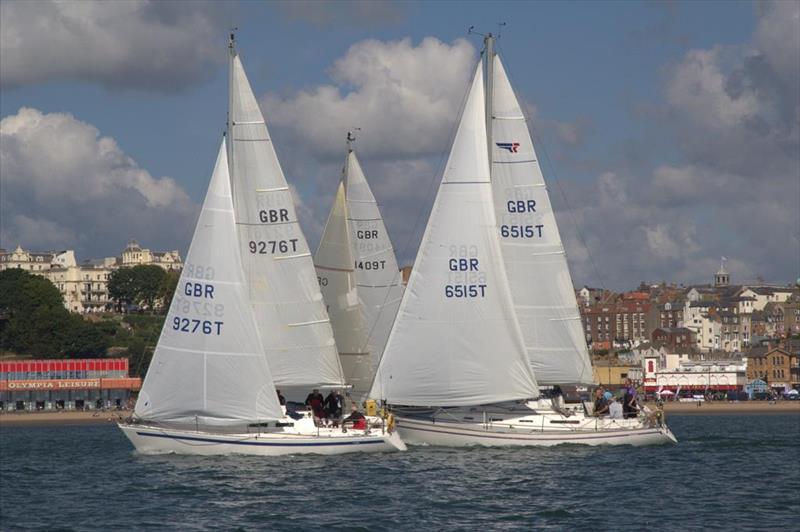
(64, 384)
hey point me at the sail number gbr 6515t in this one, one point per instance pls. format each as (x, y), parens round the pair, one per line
(464, 290)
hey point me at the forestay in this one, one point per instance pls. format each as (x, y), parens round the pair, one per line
(282, 283)
(456, 340)
(334, 263)
(208, 367)
(536, 264)
(380, 286)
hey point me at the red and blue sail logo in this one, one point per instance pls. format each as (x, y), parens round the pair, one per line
(512, 147)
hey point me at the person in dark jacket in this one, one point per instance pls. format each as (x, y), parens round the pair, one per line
(630, 404)
(333, 405)
(315, 401)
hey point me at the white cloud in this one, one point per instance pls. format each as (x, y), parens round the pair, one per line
(735, 189)
(126, 44)
(65, 185)
(404, 97)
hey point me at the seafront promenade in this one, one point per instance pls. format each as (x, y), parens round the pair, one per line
(30, 419)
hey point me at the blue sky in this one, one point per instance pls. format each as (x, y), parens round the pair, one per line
(617, 93)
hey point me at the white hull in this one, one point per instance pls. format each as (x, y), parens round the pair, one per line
(537, 429)
(159, 440)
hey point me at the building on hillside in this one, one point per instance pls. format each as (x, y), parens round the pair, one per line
(784, 316)
(762, 295)
(135, 255)
(588, 296)
(779, 366)
(26, 260)
(674, 337)
(668, 314)
(70, 384)
(615, 324)
(84, 287)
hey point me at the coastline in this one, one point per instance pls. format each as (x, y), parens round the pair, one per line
(723, 407)
(94, 417)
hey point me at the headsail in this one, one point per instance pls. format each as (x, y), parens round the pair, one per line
(282, 284)
(544, 298)
(208, 367)
(361, 284)
(456, 340)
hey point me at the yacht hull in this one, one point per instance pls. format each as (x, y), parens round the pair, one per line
(532, 430)
(159, 440)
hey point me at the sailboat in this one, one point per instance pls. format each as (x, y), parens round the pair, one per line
(247, 316)
(489, 313)
(358, 276)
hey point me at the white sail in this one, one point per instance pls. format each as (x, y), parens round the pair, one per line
(544, 298)
(456, 340)
(209, 367)
(337, 281)
(380, 285)
(282, 284)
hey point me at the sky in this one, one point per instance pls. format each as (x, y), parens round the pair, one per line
(669, 131)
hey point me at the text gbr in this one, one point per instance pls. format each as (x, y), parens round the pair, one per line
(521, 231)
(464, 290)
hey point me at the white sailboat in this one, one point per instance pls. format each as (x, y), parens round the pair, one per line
(489, 306)
(231, 334)
(358, 276)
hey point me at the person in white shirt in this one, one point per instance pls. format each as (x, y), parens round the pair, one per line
(615, 409)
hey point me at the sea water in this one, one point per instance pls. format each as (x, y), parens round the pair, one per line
(726, 472)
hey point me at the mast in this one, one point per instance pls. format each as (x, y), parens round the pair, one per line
(489, 42)
(231, 56)
(351, 138)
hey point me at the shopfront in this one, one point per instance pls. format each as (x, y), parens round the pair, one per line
(66, 384)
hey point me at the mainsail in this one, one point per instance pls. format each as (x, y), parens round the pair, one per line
(337, 280)
(282, 284)
(456, 340)
(380, 286)
(544, 298)
(208, 367)
(358, 276)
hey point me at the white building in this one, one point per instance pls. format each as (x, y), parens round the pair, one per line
(761, 295)
(135, 255)
(698, 376)
(84, 287)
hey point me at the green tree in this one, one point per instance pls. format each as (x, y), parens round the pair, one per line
(148, 284)
(21, 292)
(38, 324)
(122, 286)
(167, 289)
(141, 285)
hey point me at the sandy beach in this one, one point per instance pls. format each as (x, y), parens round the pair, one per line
(91, 417)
